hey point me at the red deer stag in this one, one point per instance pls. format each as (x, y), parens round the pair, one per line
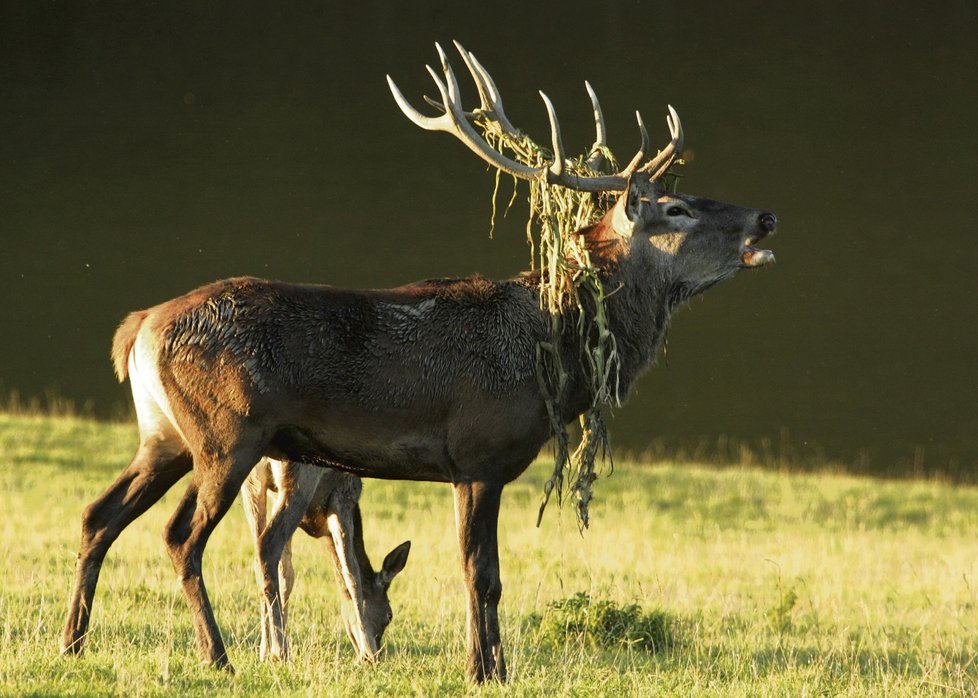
(325, 503)
(432, 381)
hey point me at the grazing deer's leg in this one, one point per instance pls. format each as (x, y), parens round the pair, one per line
(254, 499)
(343, 530)
(318, 527)
(157, 465)
(296, 484)
(211, 492)
(364, 599)
(286, 583)
(476, 517)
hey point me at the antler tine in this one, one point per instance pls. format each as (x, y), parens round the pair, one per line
(600, 135)
(449, 95)
(640, 155)
(661, 162)
(679, 134)
(441, 107)
(453, 92)
(492, 101)
(428, 123)
(557, 167)
(596, 158)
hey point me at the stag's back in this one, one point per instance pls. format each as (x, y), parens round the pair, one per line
(359, 379)
(418, 340)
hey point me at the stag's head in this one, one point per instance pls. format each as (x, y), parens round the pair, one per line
(366, 627)
(692, 242)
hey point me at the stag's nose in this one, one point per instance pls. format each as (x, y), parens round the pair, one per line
(768, 222)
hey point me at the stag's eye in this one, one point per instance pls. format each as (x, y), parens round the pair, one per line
(676, 211)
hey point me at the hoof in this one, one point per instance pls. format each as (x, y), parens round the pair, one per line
(72, 648)
(223, 664)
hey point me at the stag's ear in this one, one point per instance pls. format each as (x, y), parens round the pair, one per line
(635, 207)
(394, 563)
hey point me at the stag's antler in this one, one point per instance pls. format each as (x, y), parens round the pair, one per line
(456, 121)
(658, 165)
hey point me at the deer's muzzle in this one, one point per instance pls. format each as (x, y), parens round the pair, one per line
(750, 256)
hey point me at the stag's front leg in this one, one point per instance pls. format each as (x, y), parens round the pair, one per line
(211, 492)
(476, 517)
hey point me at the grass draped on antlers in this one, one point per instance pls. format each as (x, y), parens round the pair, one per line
(568, 282)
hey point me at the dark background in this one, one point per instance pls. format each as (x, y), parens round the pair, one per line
(147, 148)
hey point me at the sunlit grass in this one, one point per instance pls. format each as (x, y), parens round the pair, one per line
(771, 584)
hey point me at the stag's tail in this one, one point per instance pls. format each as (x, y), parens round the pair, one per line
(123, 341)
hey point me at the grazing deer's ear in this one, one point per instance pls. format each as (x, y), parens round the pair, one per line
(635, 206)
(394, 562)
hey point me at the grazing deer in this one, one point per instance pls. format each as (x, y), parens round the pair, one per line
(325, 503)
(432, 381)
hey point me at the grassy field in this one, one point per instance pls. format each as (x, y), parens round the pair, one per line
(768, 584)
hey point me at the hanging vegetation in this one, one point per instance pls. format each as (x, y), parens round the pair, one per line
(570, 291)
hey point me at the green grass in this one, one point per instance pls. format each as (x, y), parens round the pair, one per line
(763, 583)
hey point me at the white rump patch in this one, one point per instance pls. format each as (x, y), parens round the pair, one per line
(153, 412)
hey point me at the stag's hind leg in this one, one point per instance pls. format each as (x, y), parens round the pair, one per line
(216, 480)
(476, 517)
(157, 465)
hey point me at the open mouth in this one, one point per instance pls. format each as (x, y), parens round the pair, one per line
(751, 256)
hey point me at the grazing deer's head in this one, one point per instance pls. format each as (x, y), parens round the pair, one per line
(376, 613)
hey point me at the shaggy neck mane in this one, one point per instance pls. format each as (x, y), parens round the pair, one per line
(638, 312)
(640, 295)
(638, 316)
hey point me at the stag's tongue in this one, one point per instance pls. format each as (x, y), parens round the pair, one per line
(754, 257)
